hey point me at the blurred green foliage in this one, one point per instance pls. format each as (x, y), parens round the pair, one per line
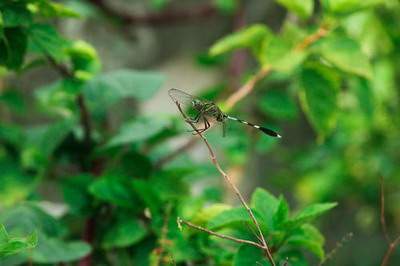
(332, 62)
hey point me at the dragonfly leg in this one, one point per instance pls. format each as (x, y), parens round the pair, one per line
(194, 120)
(206, 126)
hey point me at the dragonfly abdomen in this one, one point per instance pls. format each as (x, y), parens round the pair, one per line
(265, 130)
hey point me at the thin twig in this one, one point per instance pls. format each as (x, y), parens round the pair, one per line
(338, 246)
(230, 182)
(392, 244)
(390, 250)
(163, 241)
(243, 91)
(208, 231)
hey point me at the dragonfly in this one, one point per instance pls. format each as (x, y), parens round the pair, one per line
(203, 111)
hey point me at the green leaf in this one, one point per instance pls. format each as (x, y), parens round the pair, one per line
(13, 99)
(226, 6)
(13, 245)
(280, 54)
(232, 216)
(15, 184)
(364, 93)
(265, 204)
(319, 97)
(345, 54)
(45, 39)
(302, 8)
(106, 89)
(309, 213)
(42, 141)
(140, 129)
(15, 14)
(52, 250)
(249, 256)
(309, 238)
(26, 218)
(75, 191)
(344, 7)
(50, 9)
(278, 104)
(113, 189)
(281, 214)
(124, 233)
(59, 98)
(159, 4)
(250, 37)
(13, 48)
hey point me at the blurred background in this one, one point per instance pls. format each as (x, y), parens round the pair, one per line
(85, 110)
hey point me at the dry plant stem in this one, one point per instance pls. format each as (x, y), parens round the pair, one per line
(390, 250)
(392, 244)
(231, 184)
(238, 240)
(264, 71)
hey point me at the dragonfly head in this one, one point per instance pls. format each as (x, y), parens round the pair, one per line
(197, 104)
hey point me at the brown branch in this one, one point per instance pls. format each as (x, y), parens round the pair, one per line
(230, 182)
(85, 121)
(243, 91)
(208, 231)
(338, 246)
(390, 250)
(392, 244)
(160, 18)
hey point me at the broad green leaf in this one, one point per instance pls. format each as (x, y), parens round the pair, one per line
(309, 238)
(209, 212)
(45, 39)
(278, 104)
(319, 98)
(265, 204)
(15, 14)
(11, 134)
(309, 213)
(51, 9)
(302, 8)
(124, 233)
(281, 214)
(42, 141)
(345, 54)
(113, 189)
(59, 98)
(250, 256)
(159, 4)
(12, 245)
(13, 99)
(137, 130)
(106, 89)
(15, 184)
(13, 48)
(250, 37)
(52, 250)
(232, 216)
(23, 219)
(343, 7)
(75, 191)
(226, 6)
(365, 96)
(280, 54)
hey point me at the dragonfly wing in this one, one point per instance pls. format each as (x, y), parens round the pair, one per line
(185, 101)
